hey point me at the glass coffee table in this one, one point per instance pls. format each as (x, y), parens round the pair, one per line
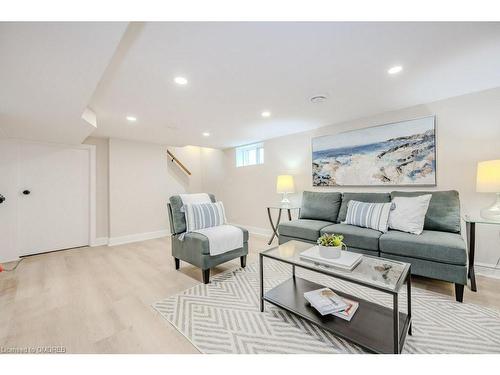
(374, 327)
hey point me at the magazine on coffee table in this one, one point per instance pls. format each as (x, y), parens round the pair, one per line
(348, 313)
(327, 302)
(347, 261)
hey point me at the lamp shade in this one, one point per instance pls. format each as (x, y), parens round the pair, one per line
(488, 176)
(284, 184)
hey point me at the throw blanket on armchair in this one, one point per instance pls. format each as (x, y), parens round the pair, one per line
(222, 238)
(195, 198)
(209, 219)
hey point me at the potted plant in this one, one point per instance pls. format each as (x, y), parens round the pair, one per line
(330, 245)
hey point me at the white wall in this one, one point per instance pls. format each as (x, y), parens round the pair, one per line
(468, 130)
(133, 184)
(141, 179)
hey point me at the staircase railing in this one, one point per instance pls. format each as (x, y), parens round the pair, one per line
(173, 159)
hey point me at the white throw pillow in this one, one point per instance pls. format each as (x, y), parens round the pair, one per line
(408, 214)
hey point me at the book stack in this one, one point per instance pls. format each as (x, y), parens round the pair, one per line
(347, 261)
(327, 302)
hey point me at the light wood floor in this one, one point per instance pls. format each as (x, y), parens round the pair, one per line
(98, 300)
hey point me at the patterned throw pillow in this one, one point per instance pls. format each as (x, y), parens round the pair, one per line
(204, 215)
(368, 215)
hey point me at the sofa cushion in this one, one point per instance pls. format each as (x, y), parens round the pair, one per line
(363, 238)
(361, 197)
(437, 246)
(453, 273)
(320, 206)
(302, 228)
(443, 213)
(178, 217)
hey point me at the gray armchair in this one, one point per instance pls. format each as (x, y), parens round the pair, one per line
(194, 247)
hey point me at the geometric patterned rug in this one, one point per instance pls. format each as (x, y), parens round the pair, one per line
(224, 317)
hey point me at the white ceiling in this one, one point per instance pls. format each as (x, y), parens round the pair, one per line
(48, 73)
(235, 71)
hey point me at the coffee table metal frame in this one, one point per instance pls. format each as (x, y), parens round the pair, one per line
(401, 322)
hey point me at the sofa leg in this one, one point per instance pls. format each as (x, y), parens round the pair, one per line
(177, 263)
(243, 261)
(459, 292)
(206, 276)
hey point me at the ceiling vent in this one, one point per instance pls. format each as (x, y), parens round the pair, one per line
(319, 99)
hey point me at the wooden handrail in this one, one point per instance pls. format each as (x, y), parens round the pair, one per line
(173, 158)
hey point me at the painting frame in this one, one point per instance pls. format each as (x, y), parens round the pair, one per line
(381, 184)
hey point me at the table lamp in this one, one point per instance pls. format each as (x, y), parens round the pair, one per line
(284, 185)
(488, 181)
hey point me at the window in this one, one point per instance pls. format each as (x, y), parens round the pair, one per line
(250, 155)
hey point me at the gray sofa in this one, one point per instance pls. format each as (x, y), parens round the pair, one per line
(194, 247)
(438, 253)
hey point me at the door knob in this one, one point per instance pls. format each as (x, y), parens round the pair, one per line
(26, 192)
(2, 198)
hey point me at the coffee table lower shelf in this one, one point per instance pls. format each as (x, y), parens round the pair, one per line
(371, 327)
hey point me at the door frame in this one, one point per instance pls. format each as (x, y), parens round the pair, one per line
(92, 211)
(92, 193)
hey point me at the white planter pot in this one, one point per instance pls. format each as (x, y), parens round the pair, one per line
(330, 252)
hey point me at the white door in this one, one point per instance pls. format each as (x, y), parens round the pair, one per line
(8, 208)
(53, 197)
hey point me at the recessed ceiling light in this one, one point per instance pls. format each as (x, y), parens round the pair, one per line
(265, 114)
(181, 81)
(395, 69)
(206, 134)
(131, 118)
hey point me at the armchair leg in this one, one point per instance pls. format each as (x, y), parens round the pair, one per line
(206, 276)
(243, 261)
(177, 263)
(459, 292)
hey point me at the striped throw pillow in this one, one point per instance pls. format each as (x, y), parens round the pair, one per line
(204, 215)
(368, 215)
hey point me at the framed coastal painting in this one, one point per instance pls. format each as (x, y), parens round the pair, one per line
(399, 154)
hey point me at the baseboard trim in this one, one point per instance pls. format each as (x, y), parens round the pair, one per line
(488, 270)
(101, 241)
(256, 231)
(113, 241)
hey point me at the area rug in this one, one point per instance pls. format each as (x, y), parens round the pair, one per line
(224, 317)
